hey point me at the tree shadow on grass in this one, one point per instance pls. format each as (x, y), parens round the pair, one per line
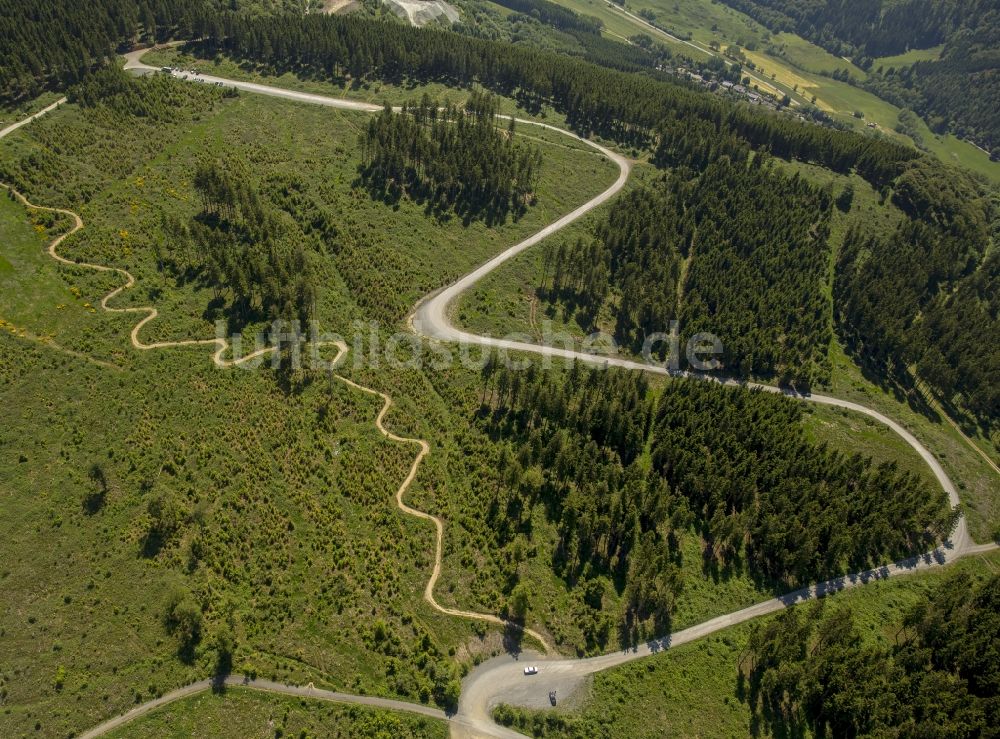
(513, 638)
(898, 384)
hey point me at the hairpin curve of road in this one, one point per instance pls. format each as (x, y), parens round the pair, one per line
(485, 686)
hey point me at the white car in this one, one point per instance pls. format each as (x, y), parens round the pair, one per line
(530, 670)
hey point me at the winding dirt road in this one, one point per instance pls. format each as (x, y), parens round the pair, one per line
(222, 345)
(502, 679)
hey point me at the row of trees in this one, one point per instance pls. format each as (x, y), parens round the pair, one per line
(452, 158)
(815, 670)
(734, 463)
(739, 250)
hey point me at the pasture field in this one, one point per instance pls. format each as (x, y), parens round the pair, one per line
(909, 57)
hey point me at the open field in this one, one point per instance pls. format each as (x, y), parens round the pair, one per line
(285, 530)
(907, 58)
(692, 690)
(239, 713)
(851, 433)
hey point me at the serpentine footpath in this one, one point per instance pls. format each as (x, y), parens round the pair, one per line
(500, 680)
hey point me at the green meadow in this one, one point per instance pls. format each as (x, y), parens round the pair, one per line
(135, 481)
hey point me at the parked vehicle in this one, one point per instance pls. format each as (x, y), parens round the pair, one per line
(530, 670)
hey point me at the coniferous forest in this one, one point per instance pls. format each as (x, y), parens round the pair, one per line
(925, 296)
(451, 157)
(816, 671)
(623, 473)
(241, 247)
(738, 249)
(628, 108)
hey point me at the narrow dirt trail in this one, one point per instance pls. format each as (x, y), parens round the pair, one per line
(223, 346)
(438, 524)
(151, 313)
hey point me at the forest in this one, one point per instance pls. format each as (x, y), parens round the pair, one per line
(628, 108)
(625, 107)
(811, 669)
(452, 158)
(955, 93)
(868, 27)
(554, 15)
(739, 250)
(238, 244)
(51, 44)
(926, 294)
(623, 472)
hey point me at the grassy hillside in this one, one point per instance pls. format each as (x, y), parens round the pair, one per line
(909, 57)
(137, 480)
(238, 713)
(165, 519)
